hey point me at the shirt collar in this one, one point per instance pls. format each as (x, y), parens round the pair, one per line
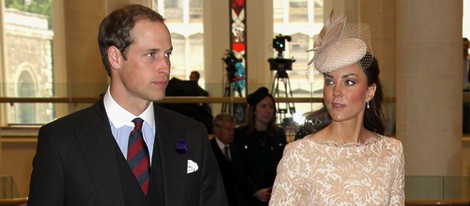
(220, 144)
(120, 117)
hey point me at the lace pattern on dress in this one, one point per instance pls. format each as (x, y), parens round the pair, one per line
(370, 140)
(325, 173)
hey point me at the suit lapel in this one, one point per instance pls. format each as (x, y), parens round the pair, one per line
(173, 165)
(99, 150)
(215, 147)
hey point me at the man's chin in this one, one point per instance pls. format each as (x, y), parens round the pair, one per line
(158, 97)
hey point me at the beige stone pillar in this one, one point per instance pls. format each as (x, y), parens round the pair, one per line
(85, 71)
(86, 76)
(259, 46)
(216, 43)
(380, 15)
(429, 87)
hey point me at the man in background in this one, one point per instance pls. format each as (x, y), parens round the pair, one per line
(194, 76)
(223, 127)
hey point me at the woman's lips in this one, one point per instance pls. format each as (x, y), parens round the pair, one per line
(337, 106)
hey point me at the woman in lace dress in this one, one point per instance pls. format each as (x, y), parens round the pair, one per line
(257, 149)
(348, 161)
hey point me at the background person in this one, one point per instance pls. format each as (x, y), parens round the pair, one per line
(348, 161)
(194, 76)
(88, 158)
(224, 126)
(258, 147)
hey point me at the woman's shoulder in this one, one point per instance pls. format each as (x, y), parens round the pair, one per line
(240, 135)
(280, 133)
(300, 145)
(388, 139)
(278, 128)
(391, 142)
(241, 130)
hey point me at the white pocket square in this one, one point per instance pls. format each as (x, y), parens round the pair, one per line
(192, 167)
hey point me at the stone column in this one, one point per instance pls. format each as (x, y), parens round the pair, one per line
(429, 95)
(429, 85)
(86, 76)
(216, 44)
(259, 47)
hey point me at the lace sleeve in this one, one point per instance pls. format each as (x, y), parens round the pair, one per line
(287, 186)
(398, 188)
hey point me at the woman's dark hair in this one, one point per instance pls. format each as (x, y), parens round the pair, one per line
(373, 116)
(115, 29)
(253, 99)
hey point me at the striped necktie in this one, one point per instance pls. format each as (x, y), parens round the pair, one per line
(138, 155)
(227, 153)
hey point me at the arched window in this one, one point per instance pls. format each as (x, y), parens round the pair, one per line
(28, 48)
(301, 20)
(195, 11)
(196, 59)
(26, 112)
(173, 11)
(185, 22)
(178, 58)
(298, 11)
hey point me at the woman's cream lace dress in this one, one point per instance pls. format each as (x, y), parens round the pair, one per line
(313, 173)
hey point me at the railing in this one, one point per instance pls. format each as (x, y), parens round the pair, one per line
(214, 100)
(196, 99)
(303, 104)
(8, 136)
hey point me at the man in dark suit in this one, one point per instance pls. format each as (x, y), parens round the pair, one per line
(223, 127)
(124, 150)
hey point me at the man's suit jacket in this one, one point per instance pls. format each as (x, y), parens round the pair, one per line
(78, 162)
(226, 169)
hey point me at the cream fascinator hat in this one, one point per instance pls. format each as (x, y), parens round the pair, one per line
(339, 45)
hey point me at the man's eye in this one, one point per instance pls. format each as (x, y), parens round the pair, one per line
(151, 54)
(168, 54)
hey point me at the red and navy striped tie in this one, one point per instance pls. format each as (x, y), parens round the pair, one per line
(138, 155)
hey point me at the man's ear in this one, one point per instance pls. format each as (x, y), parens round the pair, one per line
(371, 91)
(114, 57)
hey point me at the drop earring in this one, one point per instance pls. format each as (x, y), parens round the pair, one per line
(367, 105)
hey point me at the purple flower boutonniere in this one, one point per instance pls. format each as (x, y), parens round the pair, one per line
(181, 147)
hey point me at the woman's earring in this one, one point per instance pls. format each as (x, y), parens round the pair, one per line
(367, 105)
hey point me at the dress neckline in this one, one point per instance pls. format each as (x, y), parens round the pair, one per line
(332, 143)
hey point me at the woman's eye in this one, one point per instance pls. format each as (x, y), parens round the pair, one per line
(350, 82)
(329, 82)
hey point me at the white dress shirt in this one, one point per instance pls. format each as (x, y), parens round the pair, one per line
(222, 147)
(121, 124)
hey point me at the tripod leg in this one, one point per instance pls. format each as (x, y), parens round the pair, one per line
(239, 91)
(227, 93)
(272, 87)
(291, 104)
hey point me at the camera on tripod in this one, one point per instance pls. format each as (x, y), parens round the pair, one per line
(231, 60)
(279, 44)
(281, 64)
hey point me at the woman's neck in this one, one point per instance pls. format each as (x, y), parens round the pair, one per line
(347, 132)
(259, 126)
